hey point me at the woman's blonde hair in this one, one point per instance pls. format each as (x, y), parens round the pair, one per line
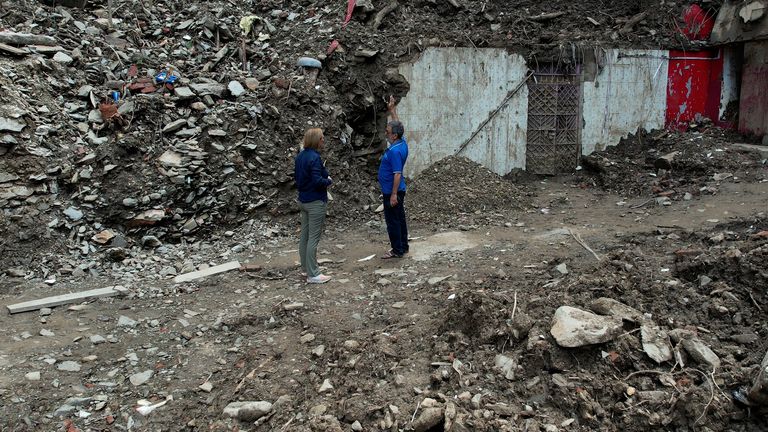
(312, 138)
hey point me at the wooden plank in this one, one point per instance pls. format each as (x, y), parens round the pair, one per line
(13, 50)
(221, 268)
(64, 299)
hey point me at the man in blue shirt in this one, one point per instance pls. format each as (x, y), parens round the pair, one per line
(392, 184)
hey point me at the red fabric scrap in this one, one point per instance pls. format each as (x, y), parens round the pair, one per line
(698, 23)
(332, 47)
(350, 8)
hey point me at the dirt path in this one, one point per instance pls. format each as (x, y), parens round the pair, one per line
(389, 330)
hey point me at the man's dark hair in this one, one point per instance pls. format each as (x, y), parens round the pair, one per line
(397, 128)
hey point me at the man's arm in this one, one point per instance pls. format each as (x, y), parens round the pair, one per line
(392, 109)
(395, 186)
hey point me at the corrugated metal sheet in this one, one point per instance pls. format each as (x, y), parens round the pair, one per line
(629, 93)
(453, 90)
(753, 109)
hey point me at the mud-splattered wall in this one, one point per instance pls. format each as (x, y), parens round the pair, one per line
(629, 93)
(453, 91)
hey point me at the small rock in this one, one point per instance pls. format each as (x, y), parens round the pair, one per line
(506, 365)
(236, 88)
(351, 344)
(307, 338)
(97, 339)
(141, 377)
(184, 92)
(701, 353)
(175, 126)
(325, 386)
(428, 419)
(318, 351)
(398, 305)
(356, 426)
(47, 333)
(562, 269)
(68, 366)
(46, 311)
(124, 321)
(293, 306)
(206, 387)
(130, 202)
(656, 343)
(247, 411)
(33, 376)
(63, 58)
(609, 306)
(73, 214)
(150, 241)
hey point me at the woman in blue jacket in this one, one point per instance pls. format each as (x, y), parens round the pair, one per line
(312, 181)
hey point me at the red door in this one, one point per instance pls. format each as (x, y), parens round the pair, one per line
(694, 87)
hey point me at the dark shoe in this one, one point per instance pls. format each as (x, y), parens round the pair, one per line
(390, 255)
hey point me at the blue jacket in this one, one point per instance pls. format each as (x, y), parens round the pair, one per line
(311, 177)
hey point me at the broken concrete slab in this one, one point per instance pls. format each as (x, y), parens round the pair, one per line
(574, 327)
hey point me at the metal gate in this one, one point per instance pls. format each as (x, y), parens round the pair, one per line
(554, 126)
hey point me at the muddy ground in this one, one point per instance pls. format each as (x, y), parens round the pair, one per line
(401, 336)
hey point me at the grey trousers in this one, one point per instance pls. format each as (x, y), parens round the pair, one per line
(312, 227)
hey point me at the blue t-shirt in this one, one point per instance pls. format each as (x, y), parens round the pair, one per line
(311, 177)
(393, 161)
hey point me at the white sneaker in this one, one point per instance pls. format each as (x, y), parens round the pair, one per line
(319, 279)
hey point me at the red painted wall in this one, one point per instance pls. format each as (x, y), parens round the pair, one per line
(753, 108)
(694, 87)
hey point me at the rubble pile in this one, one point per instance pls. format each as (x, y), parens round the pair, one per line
(658, 334)
(173, 119)
(456, 192)
(675, 166)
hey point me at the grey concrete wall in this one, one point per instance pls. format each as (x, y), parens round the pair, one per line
(629, 93)
(453, 90)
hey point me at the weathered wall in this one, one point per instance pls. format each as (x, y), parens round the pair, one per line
(732, 60)
(753, 109)
(629, 93)
(453, 90)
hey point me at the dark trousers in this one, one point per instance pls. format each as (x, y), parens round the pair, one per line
(396, 226)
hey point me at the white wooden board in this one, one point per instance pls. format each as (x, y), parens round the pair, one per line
(221, 268)
(63, 299)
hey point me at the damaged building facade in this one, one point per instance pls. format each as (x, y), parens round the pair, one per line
(507, 113)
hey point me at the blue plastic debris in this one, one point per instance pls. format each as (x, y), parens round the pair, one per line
(309, 62)
(165, 77)
(115, 95)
